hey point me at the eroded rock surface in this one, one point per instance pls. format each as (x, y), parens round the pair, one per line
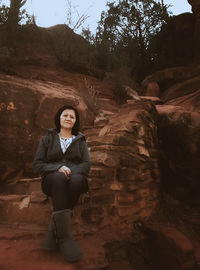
(124, 178)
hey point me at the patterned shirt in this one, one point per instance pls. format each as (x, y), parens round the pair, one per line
(65, 143)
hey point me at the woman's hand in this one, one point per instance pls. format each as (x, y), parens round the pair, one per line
(65, 170)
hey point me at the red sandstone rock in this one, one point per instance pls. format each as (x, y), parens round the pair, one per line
(176, 81)
(174, 249)
(152, 89)
(181, 89)
(190, 102)
(155, 100)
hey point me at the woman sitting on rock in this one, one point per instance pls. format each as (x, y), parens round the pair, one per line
(63, 161)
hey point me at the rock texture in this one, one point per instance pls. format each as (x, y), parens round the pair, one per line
(125, 175)
(174, 82)
(190, 102)
(152, 89)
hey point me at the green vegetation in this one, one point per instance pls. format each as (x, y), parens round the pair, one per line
(125, 33)
(124, 39)
(4, 10)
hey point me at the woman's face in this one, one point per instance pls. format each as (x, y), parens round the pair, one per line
(67, 119)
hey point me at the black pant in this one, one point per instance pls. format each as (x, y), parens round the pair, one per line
(64, 192)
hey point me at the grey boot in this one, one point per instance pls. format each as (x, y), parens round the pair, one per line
(49, 243)
(68, 247)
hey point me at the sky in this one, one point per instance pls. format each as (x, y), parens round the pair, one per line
(48, 13)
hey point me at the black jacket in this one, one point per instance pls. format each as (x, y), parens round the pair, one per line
(49, 156)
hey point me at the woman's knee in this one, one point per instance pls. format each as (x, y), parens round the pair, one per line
(58, 180)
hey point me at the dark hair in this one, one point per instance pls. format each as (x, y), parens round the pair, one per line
(76, 126)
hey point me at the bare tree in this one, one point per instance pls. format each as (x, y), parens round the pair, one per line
(74, 22)
(74, 19)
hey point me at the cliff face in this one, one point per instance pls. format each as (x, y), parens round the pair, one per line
(144, 202)
(123, 145)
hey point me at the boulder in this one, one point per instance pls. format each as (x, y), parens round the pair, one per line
(174, 82)
(152, 89)
(190, 102)
(181, 89)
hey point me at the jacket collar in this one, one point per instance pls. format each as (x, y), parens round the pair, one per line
(78, 136)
